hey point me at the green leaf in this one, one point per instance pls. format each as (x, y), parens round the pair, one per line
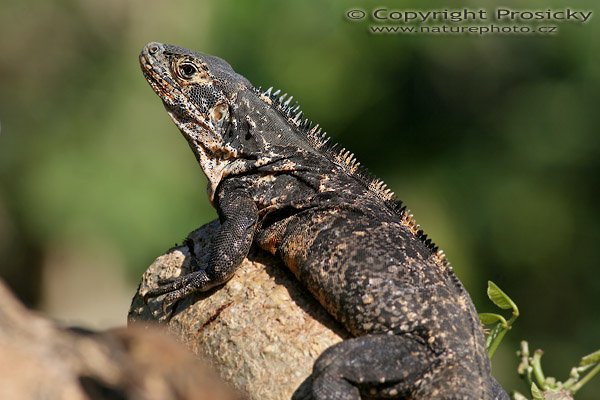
(490, 318)
(593, 358)
(536, 392)
(499, 298)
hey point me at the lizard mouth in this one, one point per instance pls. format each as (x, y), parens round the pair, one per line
(156, 71)
(159, 82)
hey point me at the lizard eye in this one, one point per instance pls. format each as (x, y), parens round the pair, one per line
(187, 70)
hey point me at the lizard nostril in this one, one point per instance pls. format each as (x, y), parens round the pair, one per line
(153, 48)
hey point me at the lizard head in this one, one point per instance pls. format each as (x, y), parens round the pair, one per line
(198, 91)
(231, 126)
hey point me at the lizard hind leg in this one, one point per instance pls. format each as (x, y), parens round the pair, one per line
(371, 367)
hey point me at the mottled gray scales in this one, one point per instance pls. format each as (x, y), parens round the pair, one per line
(278, 184)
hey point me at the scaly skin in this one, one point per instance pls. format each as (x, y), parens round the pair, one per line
(277, 184)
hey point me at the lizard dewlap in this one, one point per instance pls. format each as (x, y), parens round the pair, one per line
(277, 184)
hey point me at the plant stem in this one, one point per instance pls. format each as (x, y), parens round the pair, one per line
(537, 369)
(585, 379)
(496, 342)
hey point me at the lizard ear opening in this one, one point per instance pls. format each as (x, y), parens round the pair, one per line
(219, 114)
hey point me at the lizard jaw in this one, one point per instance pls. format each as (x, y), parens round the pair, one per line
(211, 152)
(212, 166)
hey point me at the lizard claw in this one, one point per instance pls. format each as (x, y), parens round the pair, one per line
(179, 287)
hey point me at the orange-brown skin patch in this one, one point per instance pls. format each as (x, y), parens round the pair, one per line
(202, 77)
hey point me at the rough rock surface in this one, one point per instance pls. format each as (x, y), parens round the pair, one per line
(261, 331)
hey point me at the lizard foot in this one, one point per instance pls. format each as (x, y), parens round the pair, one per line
(370, 367)
(180, 287)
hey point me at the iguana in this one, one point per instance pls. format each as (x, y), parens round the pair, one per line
(278, 184)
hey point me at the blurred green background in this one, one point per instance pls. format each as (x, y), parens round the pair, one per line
(492, 142)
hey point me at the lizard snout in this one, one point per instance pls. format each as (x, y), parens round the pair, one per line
(153, 48)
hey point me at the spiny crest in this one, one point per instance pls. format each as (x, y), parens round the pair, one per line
(379, 186)
(346, 158)
(408, 220)
(283, 103)
(320, 141)
(317, 137)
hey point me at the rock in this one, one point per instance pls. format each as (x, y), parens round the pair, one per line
(261, 330)
(41, 360)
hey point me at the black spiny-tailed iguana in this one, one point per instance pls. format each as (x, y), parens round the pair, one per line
(276, 183)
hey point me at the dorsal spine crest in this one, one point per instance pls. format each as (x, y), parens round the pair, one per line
(345, 159)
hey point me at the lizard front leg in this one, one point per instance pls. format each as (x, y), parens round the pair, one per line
(238, 214)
